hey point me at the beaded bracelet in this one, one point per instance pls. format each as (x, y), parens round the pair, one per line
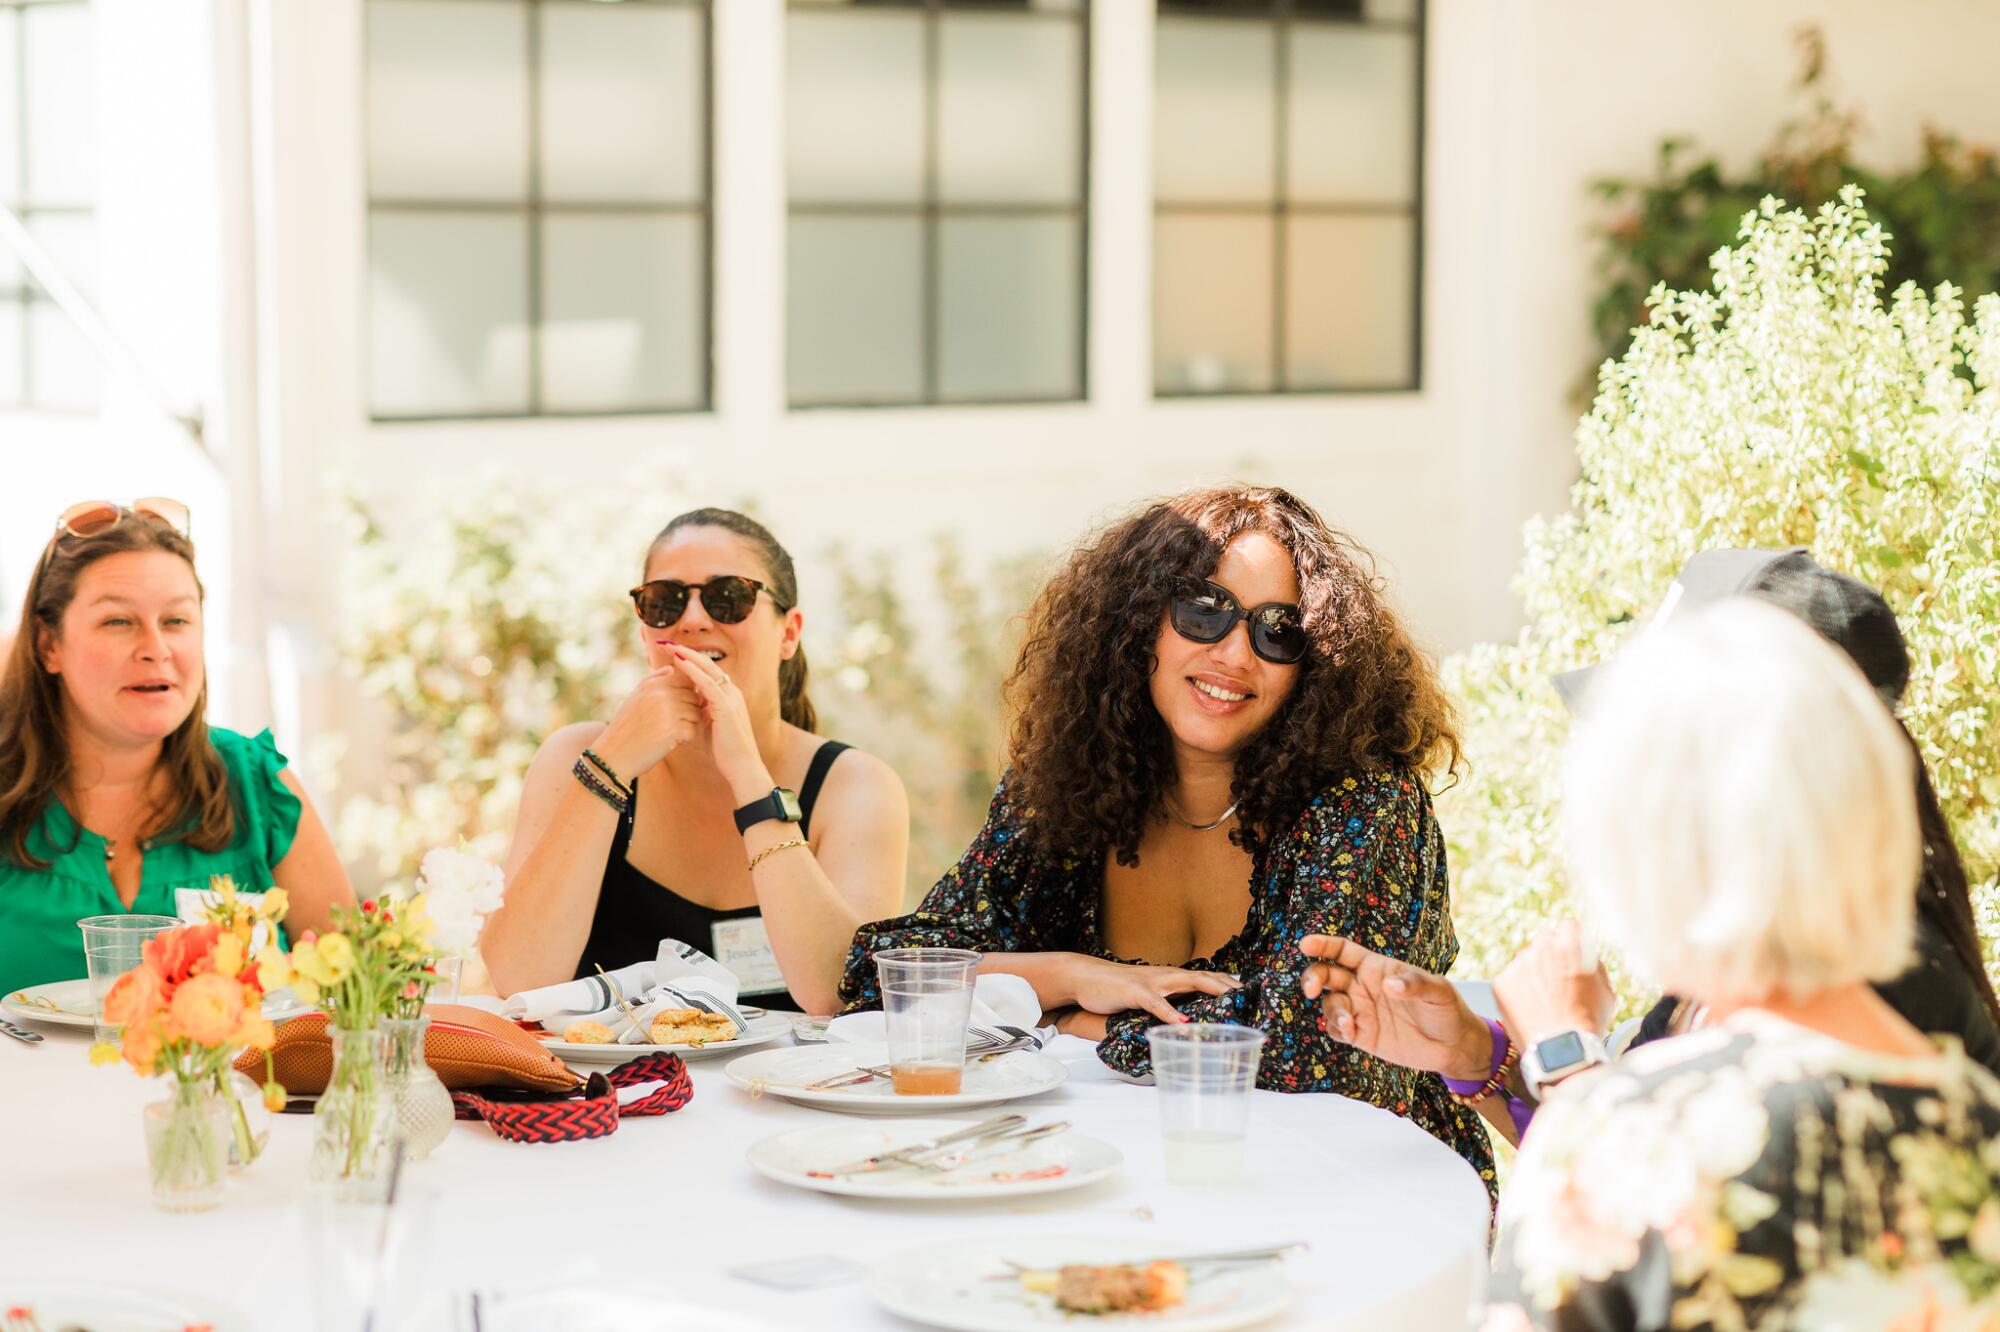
(595, 785)
(1467, 1092)
(623, 788)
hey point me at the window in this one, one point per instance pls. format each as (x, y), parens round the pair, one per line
(936, 162)
(1287, 168)
(538, 219)
(48, 156)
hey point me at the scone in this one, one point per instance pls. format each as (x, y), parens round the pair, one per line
(1102, 1290)
(588, 1033)
(690, 1026)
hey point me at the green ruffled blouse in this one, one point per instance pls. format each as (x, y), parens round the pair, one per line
(39, 909)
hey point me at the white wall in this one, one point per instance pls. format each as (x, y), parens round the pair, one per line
(1527, 102)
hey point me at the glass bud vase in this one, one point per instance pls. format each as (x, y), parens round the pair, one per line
(249, 1120)
(187, 1147)
(423, 1106)
(354, 1122)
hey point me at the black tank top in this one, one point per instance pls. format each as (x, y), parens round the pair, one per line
(634, 912)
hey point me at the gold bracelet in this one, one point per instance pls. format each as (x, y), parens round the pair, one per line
(773, 850)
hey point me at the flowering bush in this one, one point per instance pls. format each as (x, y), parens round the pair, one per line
(1788, 404)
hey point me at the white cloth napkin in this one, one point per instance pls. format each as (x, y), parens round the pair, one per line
(680, 976)
(997, 1001)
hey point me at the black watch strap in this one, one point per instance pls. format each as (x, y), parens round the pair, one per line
(781, 804)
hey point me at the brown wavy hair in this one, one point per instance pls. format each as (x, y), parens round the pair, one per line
(34, 749)
(793, 705)
(1091, 756)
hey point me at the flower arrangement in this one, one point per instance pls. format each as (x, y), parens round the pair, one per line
(1788, 404)
(460, 890)
(195, 999)
(377, 962)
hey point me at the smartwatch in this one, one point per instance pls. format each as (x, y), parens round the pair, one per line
(1556, 1057)
(781, 804)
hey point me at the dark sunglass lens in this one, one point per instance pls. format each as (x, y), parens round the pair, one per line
(1200, 618)
(1278, 637)
(661, 604)
(728, 600)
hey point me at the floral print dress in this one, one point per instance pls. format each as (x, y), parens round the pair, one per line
(1758, 1175)
(1365, 860)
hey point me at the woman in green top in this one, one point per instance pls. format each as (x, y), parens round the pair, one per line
(114, 790)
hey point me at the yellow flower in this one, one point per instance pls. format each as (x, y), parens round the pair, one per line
(104, 1052)
(275, 905)
(393, 939)
(274, 1097)
(273, 971)
(308, 965)
(229, 957)
(337, 952)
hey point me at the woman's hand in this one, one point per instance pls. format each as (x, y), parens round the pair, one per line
(731, 740)
(1547, 988)
(661, 713)
(1394, 1011)
(1098, 986)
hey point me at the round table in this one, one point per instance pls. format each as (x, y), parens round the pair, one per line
(1396, 1221)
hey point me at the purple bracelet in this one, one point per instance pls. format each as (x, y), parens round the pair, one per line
(1465, 1087)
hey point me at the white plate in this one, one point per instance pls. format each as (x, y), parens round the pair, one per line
(763, 1030)
(119, 1309)
(72, 1007)
(948, 1286)
(794, 1157)
(784, 1073)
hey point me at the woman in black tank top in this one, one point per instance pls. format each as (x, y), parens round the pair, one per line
(625, 833)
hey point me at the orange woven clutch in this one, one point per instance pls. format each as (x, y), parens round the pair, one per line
(466, 1046)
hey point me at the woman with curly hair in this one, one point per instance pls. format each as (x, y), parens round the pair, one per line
(1220, 740)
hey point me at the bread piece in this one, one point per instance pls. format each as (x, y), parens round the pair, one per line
(1121, 1289)
(690, 1026)
(588, 1033)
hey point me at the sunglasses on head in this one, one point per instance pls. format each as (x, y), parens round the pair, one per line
(728, 599)
(1205, 612)
(93, 518)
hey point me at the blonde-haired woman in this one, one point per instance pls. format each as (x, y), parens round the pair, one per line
(1736, 823)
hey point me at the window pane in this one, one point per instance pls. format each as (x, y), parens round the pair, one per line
(621, 313)
(1353, 122)
(448, 100)
(12, 319)
(1214, 111)
(1212, 304)
(854, 319)
(1008, 308)
(447, 312)
(622, 102)
(10, 109)
(854, 106)
(62, 370)
(61, 104)
(71, 242)
(1350, 302)
(1010, 103)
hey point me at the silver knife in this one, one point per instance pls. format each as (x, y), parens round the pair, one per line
(998, 1124)
(19, 1034)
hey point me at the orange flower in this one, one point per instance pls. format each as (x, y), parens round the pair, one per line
(141, 1045)
(175, 953)
(206, 1009)
(254, 1030)
(133, 997)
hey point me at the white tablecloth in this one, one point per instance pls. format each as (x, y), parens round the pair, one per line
(1396, 1221)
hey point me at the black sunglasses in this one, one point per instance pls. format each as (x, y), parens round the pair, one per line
(1205, 613)
(727, 598)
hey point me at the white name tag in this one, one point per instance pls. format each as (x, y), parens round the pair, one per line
(744, 946)
(192, 904)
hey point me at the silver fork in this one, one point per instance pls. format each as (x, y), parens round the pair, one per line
(976, 1049)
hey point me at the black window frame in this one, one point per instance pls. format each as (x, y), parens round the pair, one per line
(930, 211)
(1284, 15)
(534, 210)
(26, 295)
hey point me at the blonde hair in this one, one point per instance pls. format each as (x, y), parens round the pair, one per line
(1737, 812)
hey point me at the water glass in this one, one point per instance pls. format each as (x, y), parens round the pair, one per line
(926, 1004)
(1204, 1072)
(369, 1262)
(111, 947)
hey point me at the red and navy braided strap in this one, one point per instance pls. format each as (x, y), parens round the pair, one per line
(593, 1114)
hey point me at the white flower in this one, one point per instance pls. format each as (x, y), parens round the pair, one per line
(460, 890)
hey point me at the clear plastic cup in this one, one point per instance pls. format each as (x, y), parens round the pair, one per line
(111, 947)
(1204, 1072)
(926, 1004)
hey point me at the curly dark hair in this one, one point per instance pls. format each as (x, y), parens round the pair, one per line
(1091, 757)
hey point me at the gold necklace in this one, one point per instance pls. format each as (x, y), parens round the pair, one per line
(1186, 822)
